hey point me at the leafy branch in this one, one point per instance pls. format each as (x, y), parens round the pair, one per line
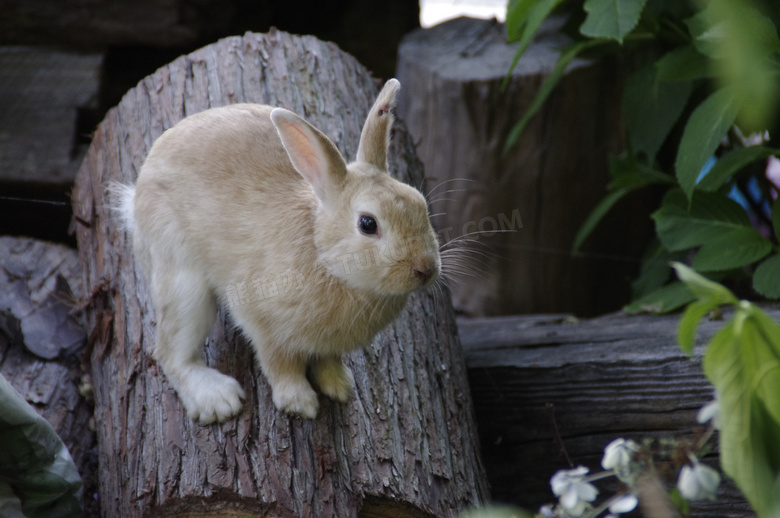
(742, 361)
(716, 72)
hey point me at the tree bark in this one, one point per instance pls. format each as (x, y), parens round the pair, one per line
(405, 445)
(535, 195)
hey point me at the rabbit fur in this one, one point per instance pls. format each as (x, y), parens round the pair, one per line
(253, 207)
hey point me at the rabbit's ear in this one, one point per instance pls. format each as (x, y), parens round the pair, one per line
(376, 131)
(312, 154)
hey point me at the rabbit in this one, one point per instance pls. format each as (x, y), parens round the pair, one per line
(252, 207)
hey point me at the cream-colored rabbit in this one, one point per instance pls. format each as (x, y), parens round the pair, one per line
(256, 208)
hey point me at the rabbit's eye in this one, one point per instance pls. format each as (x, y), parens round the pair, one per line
(367, 225)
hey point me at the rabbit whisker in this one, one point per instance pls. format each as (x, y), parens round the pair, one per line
(448, 191)
(479, 233)
(441, 198)
(450, 180)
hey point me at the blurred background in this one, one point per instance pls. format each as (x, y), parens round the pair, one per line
(64, 63)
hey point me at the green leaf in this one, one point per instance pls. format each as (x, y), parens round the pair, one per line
(740, 39)
(709, 216)
(495, 511)
(627, 176)
(743, 450)
(763, 335)
(703, 288)
(35, 462)
(654, 271)
(651, 108)
(547, 87)
(742, 361)
(663, 300)
(703, 132)
(683, 64)
(732, 249)
(727, 29)
(703, 33)
(628, 173)
(730, 163)
(689, 323)
(524, 17)
(596, 215)
(516, 18)
(611, 19)
(518, 14)
(766, 278)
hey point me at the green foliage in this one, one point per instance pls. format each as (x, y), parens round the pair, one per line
(766, 279)
(38, 478)
(547, 87)
(741, 42)
(523, 20)
(703, 133)
(731, 163)
(611, 18)
(715, 76)
(652, 107)
(628, 175)
(662, 300)
(494, 511)
(654, 271)
(743, 363)
(681, 224)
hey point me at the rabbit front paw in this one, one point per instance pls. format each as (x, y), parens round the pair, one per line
(334, 379)
(296, 398)
(210, 396)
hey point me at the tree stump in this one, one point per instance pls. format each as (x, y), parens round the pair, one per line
(537, 195)
(405, 445)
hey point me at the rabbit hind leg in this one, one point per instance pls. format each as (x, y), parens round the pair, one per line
(186, 308)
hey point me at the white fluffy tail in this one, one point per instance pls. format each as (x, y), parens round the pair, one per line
(121, 201)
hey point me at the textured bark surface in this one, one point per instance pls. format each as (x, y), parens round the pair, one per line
(41, 342)
(536, 195)
(541, 383)
(405, 442)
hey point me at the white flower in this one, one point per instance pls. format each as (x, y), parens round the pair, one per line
(617, 456)
(709, 412)
(623, 504)
(698, 482)
(572, 490)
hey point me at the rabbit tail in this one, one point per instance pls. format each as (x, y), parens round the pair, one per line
(121, 200)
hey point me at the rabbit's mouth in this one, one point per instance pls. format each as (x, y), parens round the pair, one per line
(425, 271)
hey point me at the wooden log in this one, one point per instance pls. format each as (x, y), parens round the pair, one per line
(543, 383)
(115, 22)
(41, 93)
(41, 342)
(405, 445)
(536, 195)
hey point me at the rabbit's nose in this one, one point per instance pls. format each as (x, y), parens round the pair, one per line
(424, 270)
